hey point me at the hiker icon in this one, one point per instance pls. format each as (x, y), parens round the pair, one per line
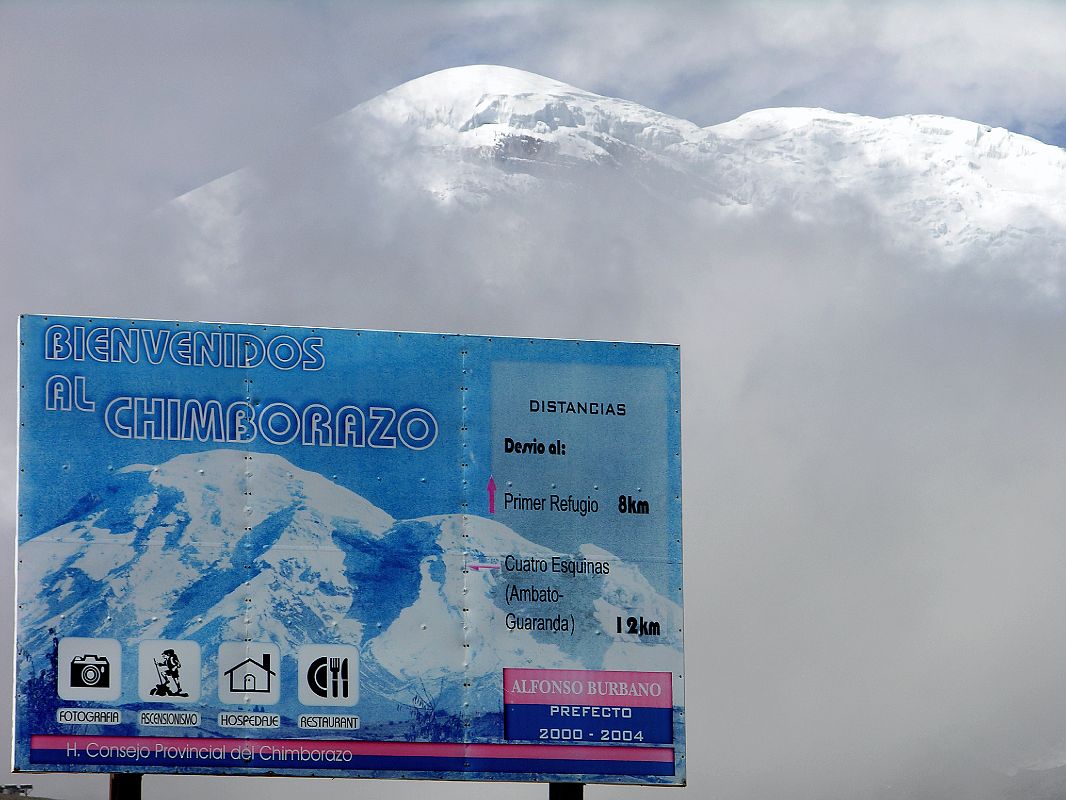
(169, 671)
(168, 668)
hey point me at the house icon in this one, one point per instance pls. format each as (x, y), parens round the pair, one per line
(251, 675)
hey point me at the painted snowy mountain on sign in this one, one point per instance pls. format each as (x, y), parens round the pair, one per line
(235, 546)
(470, 135)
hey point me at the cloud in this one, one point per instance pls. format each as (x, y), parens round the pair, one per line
(987, 62)
(872, 535)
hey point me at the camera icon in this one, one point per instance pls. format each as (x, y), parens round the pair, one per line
(90, 671)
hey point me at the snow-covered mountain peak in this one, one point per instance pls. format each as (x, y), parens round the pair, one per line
(506, 113)
(948, 134)
(469, 136)
(262, 483)
(452, 96)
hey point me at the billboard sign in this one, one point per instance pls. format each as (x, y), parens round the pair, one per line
(249, 549)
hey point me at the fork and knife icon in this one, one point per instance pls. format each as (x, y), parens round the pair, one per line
(328, 677)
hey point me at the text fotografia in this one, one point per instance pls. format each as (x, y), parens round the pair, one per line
(88, 716)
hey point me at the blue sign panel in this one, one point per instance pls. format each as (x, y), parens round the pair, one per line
(251, 549)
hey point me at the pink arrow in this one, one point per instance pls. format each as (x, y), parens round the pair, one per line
(476, 567)
(492, 495)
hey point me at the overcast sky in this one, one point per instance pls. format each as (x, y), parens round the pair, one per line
(873, 518)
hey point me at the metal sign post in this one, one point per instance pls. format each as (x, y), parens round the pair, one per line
(566, 791)
(125, 786)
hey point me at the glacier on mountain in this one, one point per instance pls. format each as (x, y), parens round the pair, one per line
(467, 135)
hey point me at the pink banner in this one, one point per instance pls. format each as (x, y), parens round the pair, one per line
(433, 749)
(587, 688)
